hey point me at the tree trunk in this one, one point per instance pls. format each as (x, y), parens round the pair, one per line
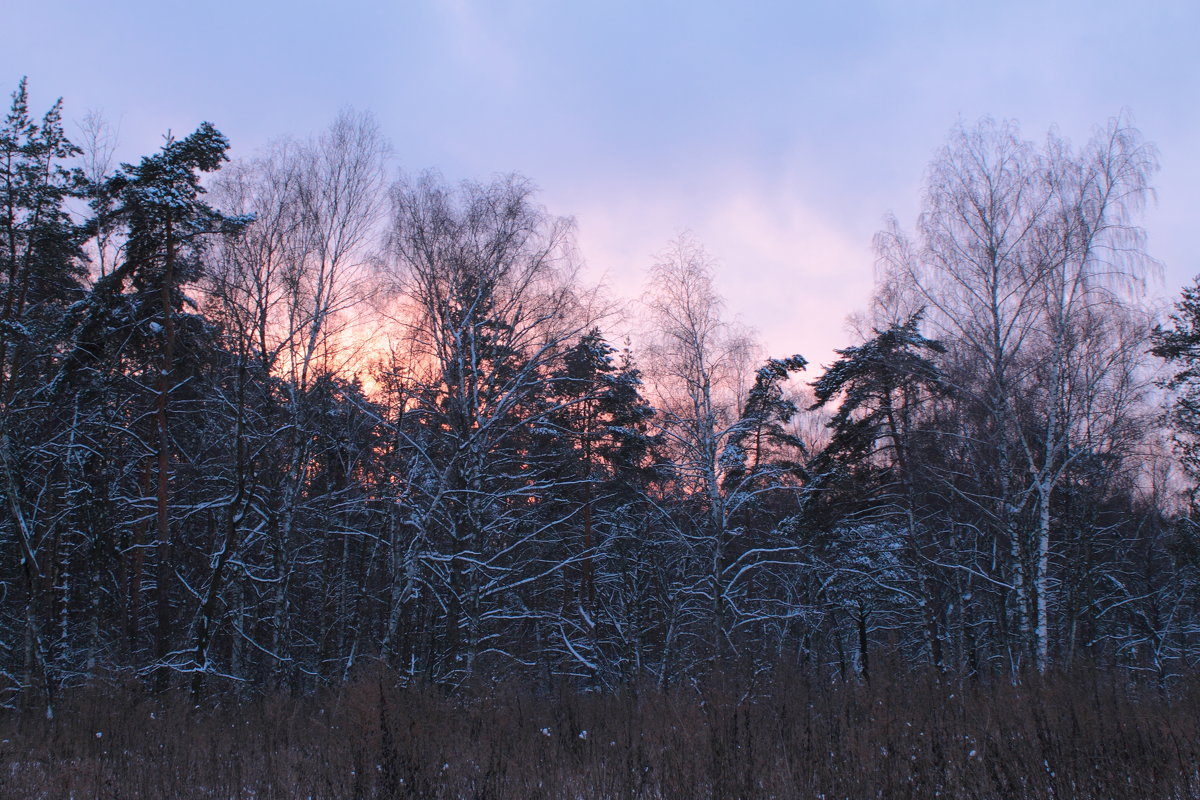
(162, 521)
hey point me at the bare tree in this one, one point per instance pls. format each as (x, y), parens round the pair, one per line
(488, 303)
(713, 411)
(284, 290)
(98, 141)
(1023, 254)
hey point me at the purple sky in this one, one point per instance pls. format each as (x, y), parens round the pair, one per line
(780, 133)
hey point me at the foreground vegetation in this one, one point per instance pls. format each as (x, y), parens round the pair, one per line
(1075, 735)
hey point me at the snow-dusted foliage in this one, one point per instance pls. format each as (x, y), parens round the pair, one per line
(215, 473)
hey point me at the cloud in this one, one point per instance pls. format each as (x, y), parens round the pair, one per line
(785, 268)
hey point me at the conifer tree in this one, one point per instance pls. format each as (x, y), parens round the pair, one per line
(134, 315)
(1179, 345)
(41, 273)
(865, 478)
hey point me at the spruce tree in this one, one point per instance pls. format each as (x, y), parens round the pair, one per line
(41, 273)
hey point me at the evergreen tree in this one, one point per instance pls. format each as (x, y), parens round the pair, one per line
(1179, 345)
(755, 450)
(133, 322)
(880, 383)
(597, 438)
(41, 265)
(41, 274)
(865, 484)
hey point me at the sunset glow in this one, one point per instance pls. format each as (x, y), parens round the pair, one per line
(780, 134)
(575, 399)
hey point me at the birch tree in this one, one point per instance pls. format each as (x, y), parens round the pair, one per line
(1020, 250)
(716, 420)
(285, 290)
(488, 302)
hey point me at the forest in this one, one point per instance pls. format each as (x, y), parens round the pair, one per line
(301, 426)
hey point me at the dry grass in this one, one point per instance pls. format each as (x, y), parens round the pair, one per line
(1078, 736)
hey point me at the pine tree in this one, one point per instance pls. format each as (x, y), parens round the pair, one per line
(133, 317)
(753, 453)
(864, 481)
(880, 383)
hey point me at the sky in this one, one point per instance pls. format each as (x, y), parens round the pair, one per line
(779, 133)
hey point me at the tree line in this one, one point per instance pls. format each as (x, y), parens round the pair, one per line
(263, 423)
